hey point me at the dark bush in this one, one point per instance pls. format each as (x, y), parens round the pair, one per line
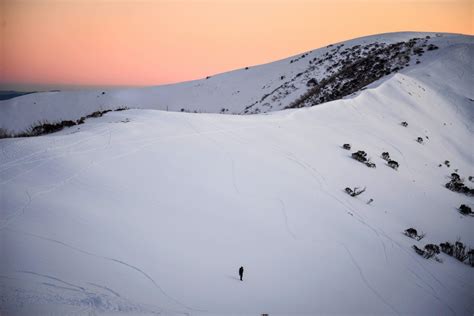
(431, 250)
(459, 251)
(419, 251)
(411, 232)
(347, 146)
(404, 124)
(470, 255)
(447, 248)
(312, 82)
(420, 140)
(465, 210)
(360, 155)
(458, 186)
(4, 133)
(370, 164)
(386, 156)
(50, 128)
(393, 164)
(418, 50)
(354, 192)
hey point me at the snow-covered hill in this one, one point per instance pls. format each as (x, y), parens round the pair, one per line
(148, 212)
(337, 70)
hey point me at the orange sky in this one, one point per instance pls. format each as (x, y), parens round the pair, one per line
(147, 42)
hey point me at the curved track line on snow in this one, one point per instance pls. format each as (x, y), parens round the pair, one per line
(18, 161)
(234, 182)
(123, 263)
(283, 210)
(97, 163)
(361, 273)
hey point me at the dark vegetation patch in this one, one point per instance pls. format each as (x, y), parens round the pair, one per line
(465, 210)
(354, 192)
(413, 233)
(6, 95)
(459, 251)
(429, 251)
(361, 156)
(456, 184)
(360, 67)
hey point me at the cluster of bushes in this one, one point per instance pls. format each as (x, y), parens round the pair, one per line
(457, 185)
(349, 70)
(413, 233)
(459, 251)
(361, 66)
(298, 58)
(361, 156)
(391, 163)
(429, 251)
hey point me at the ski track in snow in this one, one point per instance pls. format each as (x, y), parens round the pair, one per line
(362, 276)
(90, 298)
(283, 210)
(432, 292)
(234, 182)
(20, 161)
(117, 261)
(105, 288)
(7, 221)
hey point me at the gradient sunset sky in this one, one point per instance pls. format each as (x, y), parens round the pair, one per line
(150, 42)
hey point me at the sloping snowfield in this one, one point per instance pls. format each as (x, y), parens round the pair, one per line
(151, 212)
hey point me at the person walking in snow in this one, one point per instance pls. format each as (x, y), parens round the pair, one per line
(241, 272)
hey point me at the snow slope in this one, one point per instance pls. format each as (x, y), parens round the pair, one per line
(153, 212)
(258, 89)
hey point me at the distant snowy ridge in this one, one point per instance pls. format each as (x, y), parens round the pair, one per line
(311, 78)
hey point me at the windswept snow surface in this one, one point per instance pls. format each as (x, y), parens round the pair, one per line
(153, 212)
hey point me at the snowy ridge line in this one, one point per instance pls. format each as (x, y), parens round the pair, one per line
(232, 92)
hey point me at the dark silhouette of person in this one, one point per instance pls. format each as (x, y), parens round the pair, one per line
(241, 272)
